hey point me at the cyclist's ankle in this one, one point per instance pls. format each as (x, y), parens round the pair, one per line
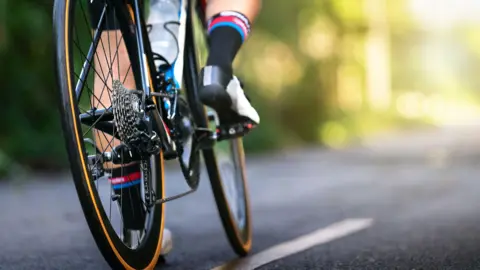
(227, 31)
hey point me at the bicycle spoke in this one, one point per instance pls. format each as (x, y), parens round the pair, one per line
(86, 22)
(98, 59)
(105, 79)
(110, 52)
(99, 101)
(110, 68)
(91, 51)
(116, 38)
(85, 57)
(126, 75)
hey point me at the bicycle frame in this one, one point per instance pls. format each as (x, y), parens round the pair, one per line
(175, 72)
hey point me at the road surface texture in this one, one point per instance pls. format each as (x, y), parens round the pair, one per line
(418, 193)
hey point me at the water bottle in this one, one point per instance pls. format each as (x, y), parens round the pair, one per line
(164, 14)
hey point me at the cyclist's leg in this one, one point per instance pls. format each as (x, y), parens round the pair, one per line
(229, 25)
(112, 62)
(228, 28)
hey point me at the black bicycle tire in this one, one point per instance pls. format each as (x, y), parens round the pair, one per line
(241, 246)
(113, 250)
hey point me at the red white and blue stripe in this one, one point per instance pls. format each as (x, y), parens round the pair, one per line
(231, 19)
(126, 181)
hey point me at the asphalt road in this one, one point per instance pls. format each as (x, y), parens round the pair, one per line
(420, 189)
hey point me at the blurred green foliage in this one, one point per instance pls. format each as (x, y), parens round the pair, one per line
(307, 67)
(30, 130)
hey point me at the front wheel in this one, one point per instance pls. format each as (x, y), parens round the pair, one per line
(227, 172)
(226, 161)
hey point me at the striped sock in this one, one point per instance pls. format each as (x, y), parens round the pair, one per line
(232, 19)
(226, 31)
(125, 176)
(126, 184)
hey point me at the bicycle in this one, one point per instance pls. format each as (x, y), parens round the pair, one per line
(161, 120)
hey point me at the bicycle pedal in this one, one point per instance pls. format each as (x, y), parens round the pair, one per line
(206, 138)
(234, 131)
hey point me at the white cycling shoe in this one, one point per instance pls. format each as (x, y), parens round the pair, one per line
(224, 93)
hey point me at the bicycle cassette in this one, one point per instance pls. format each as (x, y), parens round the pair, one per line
(126, 112)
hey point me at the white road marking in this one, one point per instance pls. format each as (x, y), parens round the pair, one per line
(318, 237)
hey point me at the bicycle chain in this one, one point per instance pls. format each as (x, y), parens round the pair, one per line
(126, 112)
(149, 196)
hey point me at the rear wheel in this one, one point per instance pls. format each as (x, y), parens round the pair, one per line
(126, 228)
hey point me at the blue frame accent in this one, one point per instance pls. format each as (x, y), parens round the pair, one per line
(169, 74)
